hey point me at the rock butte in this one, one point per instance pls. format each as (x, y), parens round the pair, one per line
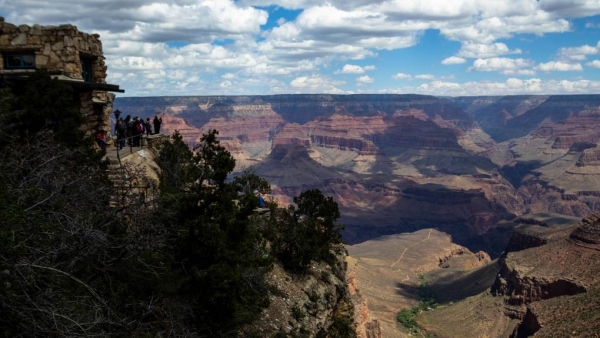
(546, 284)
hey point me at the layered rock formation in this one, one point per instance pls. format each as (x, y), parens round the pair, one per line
(398, 163)
(588, 233)
(548, 150)
(404, 162)
(546, 286)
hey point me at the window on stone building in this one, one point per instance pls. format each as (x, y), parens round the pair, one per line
(19, 60)
(86, 69)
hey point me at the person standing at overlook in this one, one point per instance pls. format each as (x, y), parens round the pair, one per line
(157, 122)
(121, 130)
(128, 129)
(148, 127)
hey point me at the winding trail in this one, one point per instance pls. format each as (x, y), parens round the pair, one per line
(410, 246)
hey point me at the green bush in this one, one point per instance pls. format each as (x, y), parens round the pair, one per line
(406, 317)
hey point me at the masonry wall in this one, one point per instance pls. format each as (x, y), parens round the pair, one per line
(59, 49)
(56, 48)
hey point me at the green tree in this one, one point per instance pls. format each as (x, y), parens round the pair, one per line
(221, 253)
(308, 233)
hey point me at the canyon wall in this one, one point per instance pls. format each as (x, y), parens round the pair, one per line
(398, 163)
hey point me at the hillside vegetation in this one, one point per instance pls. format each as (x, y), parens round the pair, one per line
(190, 263)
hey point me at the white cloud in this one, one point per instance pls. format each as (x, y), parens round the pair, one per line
(506, 66)
(558, 66)
(225, 84)
(228, 76)
(511, 86)
(488, 27)
(402, 76)
(578, 53)
(571, 7)
(365, 79)
(352, 69)
(453, 60)
(483, 51)
(204, 46)
(316, 84)
(593, 64)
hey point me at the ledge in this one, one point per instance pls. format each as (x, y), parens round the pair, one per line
(22, 74)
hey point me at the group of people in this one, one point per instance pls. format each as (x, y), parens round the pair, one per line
(130, 130)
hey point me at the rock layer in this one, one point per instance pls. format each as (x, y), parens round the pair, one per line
(587, 232)
(546, 285)
(404, 162)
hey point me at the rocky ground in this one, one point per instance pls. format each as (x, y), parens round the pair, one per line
(307, 304)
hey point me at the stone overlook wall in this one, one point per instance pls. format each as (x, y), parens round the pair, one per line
(62, 50)
(56, 48)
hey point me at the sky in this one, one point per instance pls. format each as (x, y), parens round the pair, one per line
(261, 47)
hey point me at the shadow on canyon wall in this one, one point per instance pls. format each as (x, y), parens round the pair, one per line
(467, 215)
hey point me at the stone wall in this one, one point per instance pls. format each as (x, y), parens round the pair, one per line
(56, 48)
(60, 50)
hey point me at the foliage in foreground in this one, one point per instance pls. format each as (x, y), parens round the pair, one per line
(190, 263)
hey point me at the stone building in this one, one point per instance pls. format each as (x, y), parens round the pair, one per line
(73, 57)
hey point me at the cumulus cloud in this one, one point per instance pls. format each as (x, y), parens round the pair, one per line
(571, 8)
(225, 84)
(365, 79)
(593, 64)
(453, 60)
(511, 86)
(354, 69)
(205, 45)
(558, 66)
(402, 76)
(578, 53)
(506, 66)
(483, 51)
(316, 84)
(179, 20)
(351, 69)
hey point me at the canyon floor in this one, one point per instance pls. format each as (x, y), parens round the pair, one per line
(545, 284)
(384, 274)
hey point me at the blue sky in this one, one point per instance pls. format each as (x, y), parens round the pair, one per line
(437, 47)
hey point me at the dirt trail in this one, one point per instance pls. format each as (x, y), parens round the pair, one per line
(406, 249)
